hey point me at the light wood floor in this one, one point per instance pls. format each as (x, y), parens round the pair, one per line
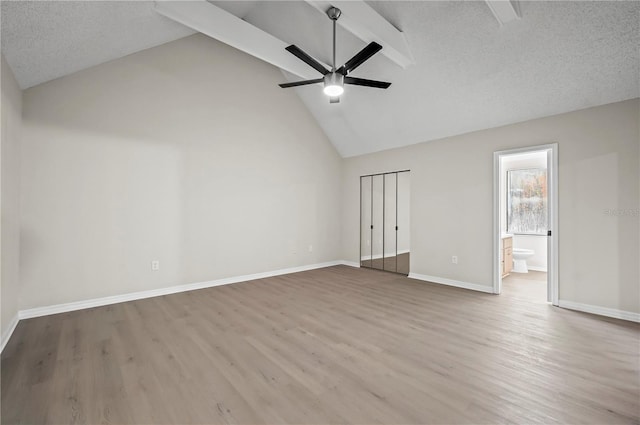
(530, 286)
(336, 345)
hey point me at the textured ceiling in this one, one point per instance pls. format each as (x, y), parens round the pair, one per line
(470, 73)
(43, 40)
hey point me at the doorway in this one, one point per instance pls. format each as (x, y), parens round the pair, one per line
(384, 222)
(525, 223)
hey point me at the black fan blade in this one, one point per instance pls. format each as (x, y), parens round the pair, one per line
(360, 57)
(300, 83)
(296, 51)
(367, 83)
(335, 99)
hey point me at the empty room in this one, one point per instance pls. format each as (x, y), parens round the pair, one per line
(313, 212)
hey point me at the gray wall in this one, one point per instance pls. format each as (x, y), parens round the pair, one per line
(187, 153)
(11, 109)
(190, 154)
(452, 207)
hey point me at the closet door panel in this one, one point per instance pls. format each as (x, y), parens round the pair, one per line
(404, 254)
(390, 207)
(377, 238)
(365, 221)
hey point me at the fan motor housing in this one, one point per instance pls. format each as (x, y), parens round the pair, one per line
(334, 79)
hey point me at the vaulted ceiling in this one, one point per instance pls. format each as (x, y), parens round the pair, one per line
(469, 72)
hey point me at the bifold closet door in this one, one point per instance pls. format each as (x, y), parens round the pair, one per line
(403, 206)
(365, 221)
(390, 223)
(384, 222)
(377, 222)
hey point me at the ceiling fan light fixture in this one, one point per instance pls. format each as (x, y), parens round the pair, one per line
(333, 84)
(335, 79)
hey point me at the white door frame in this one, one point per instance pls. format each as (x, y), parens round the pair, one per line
(552, 241)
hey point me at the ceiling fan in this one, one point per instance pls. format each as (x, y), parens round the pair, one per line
(335, 79)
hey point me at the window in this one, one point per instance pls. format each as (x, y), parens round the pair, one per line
(527, 201)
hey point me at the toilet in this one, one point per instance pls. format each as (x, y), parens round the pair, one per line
(520, 256)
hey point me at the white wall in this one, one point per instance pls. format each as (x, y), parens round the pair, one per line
(190, 154)
(11, 110)
(451, 201)
(536, 243)
(187, 153)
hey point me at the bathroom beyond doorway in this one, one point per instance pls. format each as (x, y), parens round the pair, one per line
(525, 222)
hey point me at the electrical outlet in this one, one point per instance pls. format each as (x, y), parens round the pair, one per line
(454, 259)
(155, 265)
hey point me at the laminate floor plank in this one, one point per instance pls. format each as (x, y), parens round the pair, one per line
(333, 345)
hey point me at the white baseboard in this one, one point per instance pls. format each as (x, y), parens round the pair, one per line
(8, 332)
(97, 302)
(601, 311)
(451, 282)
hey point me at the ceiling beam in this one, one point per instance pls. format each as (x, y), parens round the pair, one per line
(365, 23)
(504, 11)
(217, 23)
